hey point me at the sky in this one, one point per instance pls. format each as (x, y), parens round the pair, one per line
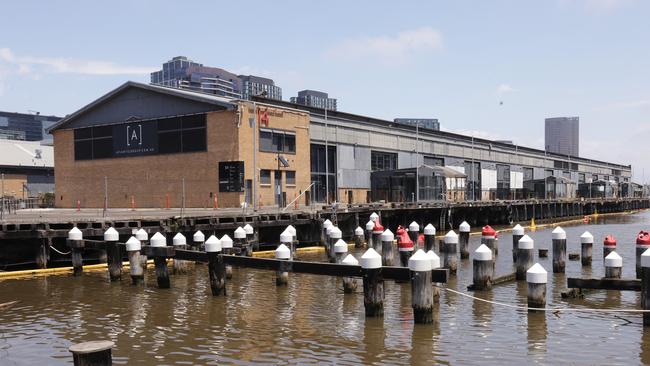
(455, 61)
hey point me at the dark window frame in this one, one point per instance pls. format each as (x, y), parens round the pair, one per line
(285, 138)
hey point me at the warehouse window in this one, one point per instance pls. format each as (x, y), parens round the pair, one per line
(265, 176)
(380, 160)
(93, 143)
(291, 177)
(182, 134)
(277, 141)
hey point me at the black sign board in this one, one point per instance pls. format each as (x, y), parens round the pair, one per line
(135, 139)
(231, 176)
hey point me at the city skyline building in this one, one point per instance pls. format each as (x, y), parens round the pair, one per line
(259, 86)
(430, 123)
(562, 135)
(26, 126)
(314, 98)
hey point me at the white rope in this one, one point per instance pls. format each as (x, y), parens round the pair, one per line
(54, 249)
(526, 308)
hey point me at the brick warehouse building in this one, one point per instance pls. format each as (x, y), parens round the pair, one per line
(144, 145)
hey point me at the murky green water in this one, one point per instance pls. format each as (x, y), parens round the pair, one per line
(311, 321)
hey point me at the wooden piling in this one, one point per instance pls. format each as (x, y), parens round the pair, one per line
(143, 237)
(525, 252)
(430, 238)
(93, 353)
(489, 238)
(158, 250)
(642, 244)
(609, 245)
(450, 252)
(368, 232)
(376, 237)
(180, 266)
(414, 233)
(517, 234)
(387, 253)
(463, 239)
(76, 244)
(536, 278)
(327, 224)
(250, 237)
(42, 253)
(586, 248)
(133, 248)
(645, 286)
(287, 239)
(227, 248)
(294, 242)
(358, 237)
(435, 264)
(240, 242)
(421, 287)
(335, 235)
(373, 283)
(350, 283)
(613, 265)
(340, 250)
(197, 241)
(114, 253)
(483, 270)
(559, 250)
(216, 267)
(282, 275)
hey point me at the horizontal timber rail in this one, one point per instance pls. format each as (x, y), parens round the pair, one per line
(605, 284)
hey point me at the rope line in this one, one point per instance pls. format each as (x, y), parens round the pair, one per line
(54, 249)
(526, 308)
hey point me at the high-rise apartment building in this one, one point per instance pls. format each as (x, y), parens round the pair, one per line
(315, 98)
(23, 126)
(562, 135)
(429, 123)
(255, 85)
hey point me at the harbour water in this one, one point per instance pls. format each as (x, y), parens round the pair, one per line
(311, 321)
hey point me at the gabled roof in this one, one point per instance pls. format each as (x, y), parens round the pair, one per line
(181, 93)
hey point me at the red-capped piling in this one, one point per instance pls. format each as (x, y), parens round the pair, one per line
(609, 245)
(642, 244)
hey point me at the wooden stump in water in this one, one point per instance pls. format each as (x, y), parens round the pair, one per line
(114, 254)
(450, 252)
(133, 247)
(350, 283)
(645, 286)
(421, 288)
(358, 237)
(613, 265)
(483, 270)
(524, 256)
(559, 250)
(180, 266)
(159, 251)
(387, 253)
(76, 244)
(373, 284)
(94, 353)
(586, 248)
(216, 268)
(227, 248)
(463, 239)
(430, 238)
(536, 278)
(282, 253)
(517, 234)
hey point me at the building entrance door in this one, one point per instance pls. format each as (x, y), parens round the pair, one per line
(278, 188)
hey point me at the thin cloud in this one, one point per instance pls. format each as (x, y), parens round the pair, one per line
(25, 65)
(396, 49)
(504, 89)
(628, 104)
(597, 6)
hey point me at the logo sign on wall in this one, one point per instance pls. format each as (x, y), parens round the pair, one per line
(134, 139)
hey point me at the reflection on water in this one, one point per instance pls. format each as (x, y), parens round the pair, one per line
(312, 321)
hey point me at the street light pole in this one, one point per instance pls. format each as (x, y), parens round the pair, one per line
(327, 165)
(253, 122)
(417, 163)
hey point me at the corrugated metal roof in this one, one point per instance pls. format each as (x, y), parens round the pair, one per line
(24, 153)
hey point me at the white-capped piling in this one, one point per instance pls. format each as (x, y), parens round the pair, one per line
(282, 253)
(435, 264)
(377, 230)
(613, 265)
(349, 283)
(294, 242)
(114, 254)
(517, 234)
(642, 244)
(358, 237)
(421, 287)
(374, 216)
(370, 225)
(133, 248)
(76, 244)
(158, 240)
(227, 247)
(180, 266)
(483, 270)
(216, 267)
(287, 239)
(489, 238)
(463, 239)
(197, 241)
(340, 250)
(586, 248)
(414, 233)
(559, 250)
(450, 252)
(93, 353)
(334, 235)
(323, 236)
(143, 236)
(387, 253)
(250, 237)
(525, 254)
(373, 283)
(609, 245)
(430, 238)
(536, 278)
(241, 242)
(645, 286)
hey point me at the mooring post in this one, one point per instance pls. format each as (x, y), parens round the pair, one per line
(93, 353)
(324, 238)
(133, 247)
(294, 241)
(227, 248)
(349, 283)
(559, 250)
(250, 237)
(76, 245)
(377, 230)
(613, 265)
(430, 238)
(197, 241)
(586, 248)
(645, 286)
(242, 243)
(517, 234)
(287, 239)
(159, 251)
(370, 225)
(43, 253)
(388, 258)
(536, 278)
(405, 247)
(180, 266)
(463, 239)
(435, 264)
(488, 238)
(282, 253)
(114, 254)
(335, 235)
(483, 270)
(143, 236)
(609, 245)
(450, 252)
(373, 283)
(642, 244)
(216, 267)
(340, 250)
(421, 287)
(525, 253)
(358, 237)
(414, 233)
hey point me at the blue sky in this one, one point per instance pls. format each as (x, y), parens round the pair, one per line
(449, 60)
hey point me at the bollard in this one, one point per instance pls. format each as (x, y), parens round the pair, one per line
(143, 237)
(241, 243)
(450, 254)
(609, 245)
(323, 236)
(197, 241)
(358, 237)
(642, 244)
(536, 278)
(93, 353)
(159, 251)
(387, 256)
(377, 230)
(227, 248)
(463, 239)
(179, 266)
(250, 237)
(421, 287)
(559, 250)
(282, 253)
(334, 235)
(517, 234)
(349, 283)
(369, 227)
(133, 247)
(414, 233)
(216, 267)
(404, 246)
(613, 265)
(586, 248)
(373, 283)
(114, 254)
(374, 217)
(430, 238)
(525, 253)
(76, 245)
(483, 270)
(287, 239)
(294, 241)
(488, 237)
(340, 250)
(645, 286)
(435, 264)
